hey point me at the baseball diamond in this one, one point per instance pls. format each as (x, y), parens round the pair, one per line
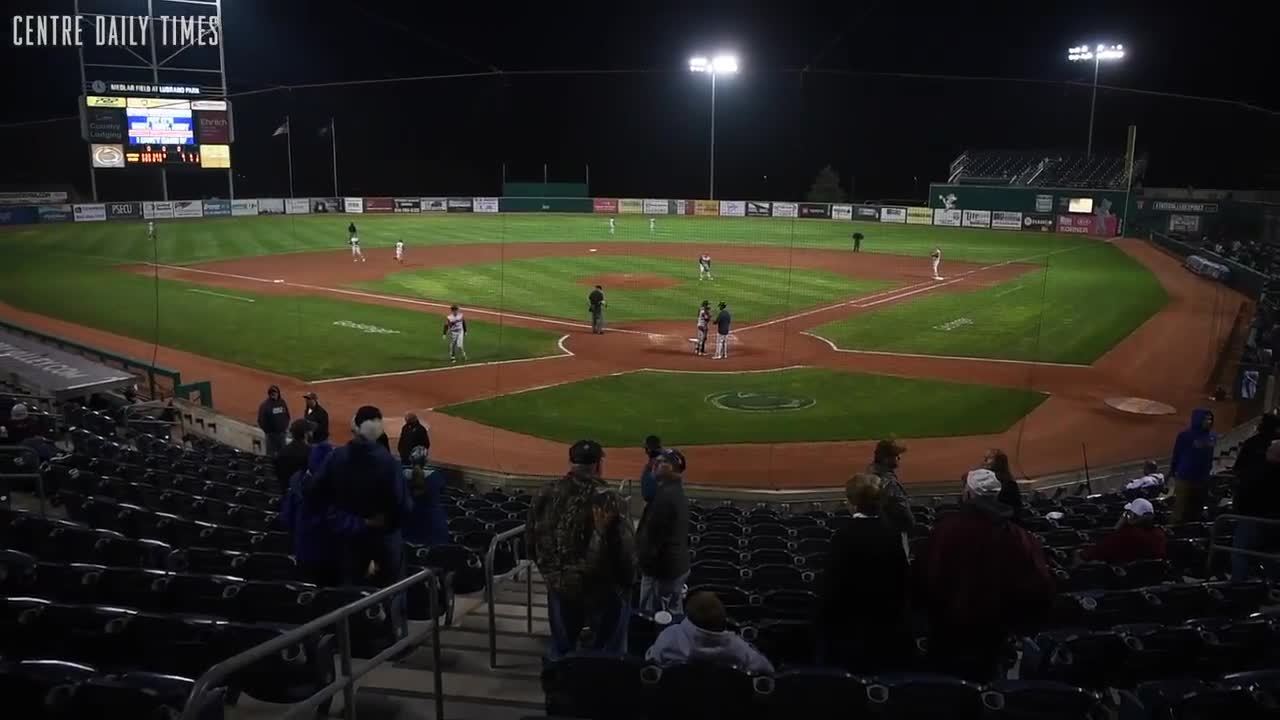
(1011, 347)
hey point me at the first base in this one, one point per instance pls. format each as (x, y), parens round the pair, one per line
(277, 281)
(592, 250)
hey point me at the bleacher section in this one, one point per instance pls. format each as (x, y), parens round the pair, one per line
(1040, 169)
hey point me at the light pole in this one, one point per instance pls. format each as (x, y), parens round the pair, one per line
(1084, 53)
(719, 65)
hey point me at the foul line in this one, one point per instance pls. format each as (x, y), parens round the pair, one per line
(887, 353)
(564, 352)
(221, 295)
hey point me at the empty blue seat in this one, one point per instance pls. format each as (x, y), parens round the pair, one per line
(699, 690)
(923, 695)
(817, 693)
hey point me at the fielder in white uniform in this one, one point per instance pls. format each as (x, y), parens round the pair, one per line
(353, 239)
(151, 229)
(612, 226)
(704, 267)
(400, 251)
(704, 319)
(935, 258)
(455, 331)
(653, 226)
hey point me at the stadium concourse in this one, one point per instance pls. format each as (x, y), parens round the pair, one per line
(1151, 363)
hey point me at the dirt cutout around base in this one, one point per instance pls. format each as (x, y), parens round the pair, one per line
(628, 281)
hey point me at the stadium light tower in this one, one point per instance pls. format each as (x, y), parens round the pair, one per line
(1084, 53)
(719, 65)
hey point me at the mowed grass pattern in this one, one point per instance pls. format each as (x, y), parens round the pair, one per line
(618, 410)
(1074, 308)
(558, 287)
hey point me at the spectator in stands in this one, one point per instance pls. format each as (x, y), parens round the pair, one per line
(1152, 480)
(293, 458)
(980, 577)
(317, 415)
(863, 611)
(703, 636)
(1257, 493)
(273, 420)
(584, 549)
(1136, 537)
(895, 508)
(428, 524)
(362, 479)
(17, 426)
(319, 531)
(648, 484)
(1010, 494)
(1190, 465)
(662, 538)
(413, 435)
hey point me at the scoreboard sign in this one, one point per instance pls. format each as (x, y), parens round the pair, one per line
(173, 132)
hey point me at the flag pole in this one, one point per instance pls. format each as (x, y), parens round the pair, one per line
(288, 131)
(333, 143)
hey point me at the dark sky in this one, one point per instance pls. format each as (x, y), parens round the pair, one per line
(626, 106)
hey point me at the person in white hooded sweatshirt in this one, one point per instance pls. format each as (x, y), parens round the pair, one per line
(703, 637)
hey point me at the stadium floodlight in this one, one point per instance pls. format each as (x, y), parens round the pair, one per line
(1096, 54)
(722, 64)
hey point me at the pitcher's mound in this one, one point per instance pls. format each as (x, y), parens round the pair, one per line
(630, 281)
(1140, 406)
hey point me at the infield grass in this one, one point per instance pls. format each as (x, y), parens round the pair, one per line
(618, 410)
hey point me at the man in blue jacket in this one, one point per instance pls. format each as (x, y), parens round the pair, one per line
(1191, 464)
(648, 480)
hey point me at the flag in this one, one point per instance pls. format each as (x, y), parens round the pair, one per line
(283, 129)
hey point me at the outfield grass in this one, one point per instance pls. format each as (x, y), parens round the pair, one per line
(620, 410)
(558, 287)
(1073, 309)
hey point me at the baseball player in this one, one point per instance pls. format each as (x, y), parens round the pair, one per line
(935, 257)
(723, 322)
(612, 226)
(455, 331)
(354, 240)
(400, 251)
(704, 267)
(704, 319)
(653, 225)
(151, 229)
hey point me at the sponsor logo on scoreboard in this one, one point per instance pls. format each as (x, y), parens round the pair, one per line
(107, 156)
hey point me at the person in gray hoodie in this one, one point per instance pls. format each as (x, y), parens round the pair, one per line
(703, 636)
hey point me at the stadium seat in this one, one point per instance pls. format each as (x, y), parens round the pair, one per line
(141, 588)
(372, 630)
(716, 572)
(38, 689)
(287, 676)
(699, 690)
(68, 582)
(790, 604)
(276, 602)
(465, 564)
(716, 552)
(1040, 700)
(1093, 659)
(137, 694)
(769, 542)
(17, 572)
(817, 694)
(593, 686)
(921, 695)
(813, 533)
(769, 577)
(758, 558)
(787, 643)
(205, 594)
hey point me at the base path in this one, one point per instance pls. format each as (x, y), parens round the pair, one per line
(1157, 361)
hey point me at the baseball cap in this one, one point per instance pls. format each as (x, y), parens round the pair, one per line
(1140, 506)
(309, 395)
(675, 457)
(889, 447)
(585, 452)
(982, 482)
(18, 412)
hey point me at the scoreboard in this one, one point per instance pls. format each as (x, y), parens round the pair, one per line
(172, 132)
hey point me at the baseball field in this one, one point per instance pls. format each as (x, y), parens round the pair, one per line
(829, 348)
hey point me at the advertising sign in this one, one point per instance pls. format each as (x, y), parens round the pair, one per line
(919, 216)
(654, 206)
(683, 207)
(631, 206)
(675, 207)
(32, 198)
(293, 206)
(814, 210)
(866, 212)
(17, 215)
(188, 209)
(352, 205)
(127, 210)
(1040, 222)
(434, 205)
(1044, 203)
(976, 218)
(706, 207)
(733, 208)
(243, 207)
(457, 205)
(785, 209)
(326, 205)
(104, 125)
(1087, 224)
(1177, 223)
(379, 205)
(161, 210)
(106, 156)
(90, 213)
(408, 205)
(948, 218)
(758, 209)
(271, 206)
(213, 127)
(841, 212)
(1184, 206)
(893, 214)
(1003, 220)
(485, 204)
(605, 206)
(54, 213)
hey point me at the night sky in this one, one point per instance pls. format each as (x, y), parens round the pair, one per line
(820, 84)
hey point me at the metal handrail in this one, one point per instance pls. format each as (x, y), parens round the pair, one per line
(489, 589)
(346, 679)
(1229, 549)
(22, 451)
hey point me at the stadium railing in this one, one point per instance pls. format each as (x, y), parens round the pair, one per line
(1215, 546)
(490, 583)
(1243, 277)
(205, 689)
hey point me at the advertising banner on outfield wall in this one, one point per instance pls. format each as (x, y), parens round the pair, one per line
(89, 212)
(785, 209)
(1037, 221)
(485, 204)
(1087, 224)
(270, 206)
(653, 206)
(457, 205)
(212, 208)
(54, 213)
(293, 206)
(975, 218)
(188, 209)
(379, 205)
(1004, 220)
(893, 214)
(684, 207)
(675, 207)
(1177, 223)
(733, 208)
(706, 207)
(126, 210)
(326, 205)
(242, 207)
(631, 206)
(408, 205)
(841, 212)
(18, 215)
(947, 218)
(434, 205)
(352, 205)
(814, 210)
(866, 212)
(32, 198)
(164, 210)
(604, 206)
(756, 208)
(919, 216)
